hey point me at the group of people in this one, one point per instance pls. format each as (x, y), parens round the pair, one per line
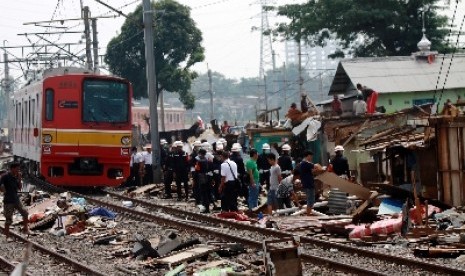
(364, 104)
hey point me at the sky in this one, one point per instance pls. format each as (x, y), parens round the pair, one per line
(231, 47)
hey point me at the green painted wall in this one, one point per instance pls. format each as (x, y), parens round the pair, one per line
(396, 101)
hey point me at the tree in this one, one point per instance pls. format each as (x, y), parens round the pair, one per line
(365, 27)
(177, 43)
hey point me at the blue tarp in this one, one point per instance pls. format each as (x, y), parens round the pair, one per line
(100, 211)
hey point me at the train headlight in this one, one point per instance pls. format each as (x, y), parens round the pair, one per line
(47, 138)
(126, 140)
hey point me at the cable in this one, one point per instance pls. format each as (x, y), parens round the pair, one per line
(444, 56)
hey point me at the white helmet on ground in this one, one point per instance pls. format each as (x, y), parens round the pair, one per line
(236, 147)
(266, 146)
(339, 148)
(286, 147)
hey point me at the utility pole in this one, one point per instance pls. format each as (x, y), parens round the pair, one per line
(266, 99)
(7, 93)
(152, 89)
(95, 43)
(301, 79)
(87, 35)
(162, 110)
(210, 90)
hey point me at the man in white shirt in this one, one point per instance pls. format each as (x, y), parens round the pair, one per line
(147, 155)
(359, 106)
(134, 163)
(229, 187)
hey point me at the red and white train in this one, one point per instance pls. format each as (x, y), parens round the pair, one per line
(73, 127)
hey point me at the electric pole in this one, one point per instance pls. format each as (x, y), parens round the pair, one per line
(301, 79)
(210, 90)
(151, 89)
(87, 35)
(95, 43)
(162, 111)
(7, 93)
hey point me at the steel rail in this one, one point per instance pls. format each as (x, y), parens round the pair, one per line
(332, 264)
(79, 266)
(432, 267)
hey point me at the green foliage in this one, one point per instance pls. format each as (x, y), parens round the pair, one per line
(365, 27)
(177, 43)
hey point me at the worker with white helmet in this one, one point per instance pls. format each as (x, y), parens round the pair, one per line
(264, 166)
(192, 161)
(237, 158)
(148, 169)
(340, 164)
(181, 169)
(285, 161)
(223, 142)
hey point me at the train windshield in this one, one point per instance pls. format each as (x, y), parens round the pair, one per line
(105, 101)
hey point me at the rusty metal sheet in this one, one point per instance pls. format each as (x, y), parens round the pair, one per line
(335, 181)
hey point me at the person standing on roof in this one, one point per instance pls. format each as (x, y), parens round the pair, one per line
(371, 96)
(339, 163)
(285, 161)
(359, 106)
(10, 184)
(336, 106)
(264, 166)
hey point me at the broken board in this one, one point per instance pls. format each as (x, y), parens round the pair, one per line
(335, 181)
(186, 255)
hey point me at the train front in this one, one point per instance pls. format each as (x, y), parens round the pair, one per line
(86, 130)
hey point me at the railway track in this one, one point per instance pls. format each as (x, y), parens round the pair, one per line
(349, 259)
(58, 260)
(310, 241)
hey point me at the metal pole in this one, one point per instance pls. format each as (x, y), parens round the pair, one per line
(210, 90)
(7, 94)
(162, 111)
(285, 88)
(95, 43)
(87, 35)
(301, 80)
(151, 89)
(266, 100)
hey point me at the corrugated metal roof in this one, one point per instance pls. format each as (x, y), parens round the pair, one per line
(398, 74)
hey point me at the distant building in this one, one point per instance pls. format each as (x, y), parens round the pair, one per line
(174, 118)
(404, 81)
(314, 59)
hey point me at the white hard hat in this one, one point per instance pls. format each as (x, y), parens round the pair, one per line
(219, 146)
(197, 143)
(205, 145)
(236, 147)
(266, 146)
(178, 144)
(163, 142)
(222, 141)
(286, 147)
(339, 148)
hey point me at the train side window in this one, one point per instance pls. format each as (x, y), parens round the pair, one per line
(49, 99)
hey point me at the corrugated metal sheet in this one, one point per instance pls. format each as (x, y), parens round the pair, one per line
(398, 74)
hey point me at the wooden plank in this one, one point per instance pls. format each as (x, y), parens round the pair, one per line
(144, 189)
(335, 181)
(185, 255)
(365, 204)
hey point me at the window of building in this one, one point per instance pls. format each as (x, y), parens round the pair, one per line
(390, 101)
(423, 101)
(177, 118)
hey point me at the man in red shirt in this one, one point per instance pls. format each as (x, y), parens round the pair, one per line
(336, 106)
